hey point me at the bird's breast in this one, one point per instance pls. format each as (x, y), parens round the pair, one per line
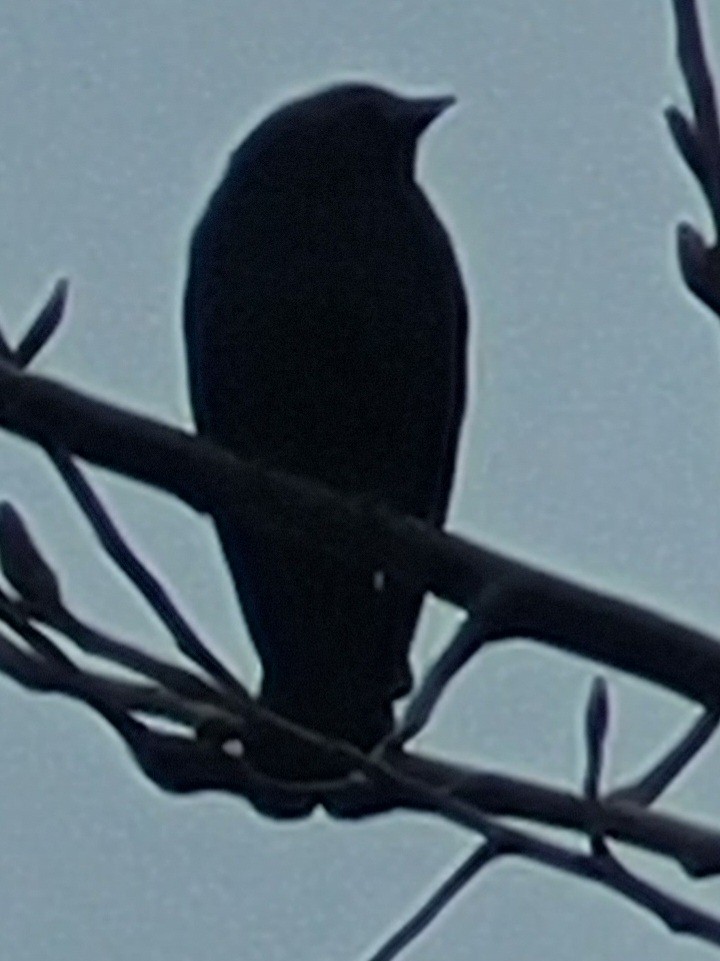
(325, 329)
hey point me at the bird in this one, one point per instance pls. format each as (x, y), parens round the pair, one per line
(325, 324)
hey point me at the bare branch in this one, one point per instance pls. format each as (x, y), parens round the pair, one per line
(44, 325)
(140, 575)
(466, 644)
(400, 781)
(694, 65)
(23, 564)
(39, 642)
(181, 764)
(105, 529)
(39, 674)
(181, 682)
(650, 786)
(698, 141)
(440, 899)
(516, 600)
(679, 916)
(596, 726)
(695, 848)
(597, 715)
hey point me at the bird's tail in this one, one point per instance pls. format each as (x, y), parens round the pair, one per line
(332, 638)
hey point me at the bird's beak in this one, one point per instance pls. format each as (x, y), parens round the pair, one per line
(421, 111)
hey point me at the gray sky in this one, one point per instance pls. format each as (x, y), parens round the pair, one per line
(593, 447)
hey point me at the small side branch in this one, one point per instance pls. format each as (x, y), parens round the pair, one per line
(39, 333)
(441, 898)
(697, 138)
(651, 785)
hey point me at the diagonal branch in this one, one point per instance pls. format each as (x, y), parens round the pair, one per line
(139, 574)
(516, 599)
(705, 132)
(465, 645)
(440, 899)
(39, 333)
(650, 785)
(43, 326)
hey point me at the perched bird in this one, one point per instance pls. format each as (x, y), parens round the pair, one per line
(325, 327)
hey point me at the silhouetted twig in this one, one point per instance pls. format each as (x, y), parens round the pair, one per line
(140, 575)
(596, 727)
(40, 331)
(597, 716)
(650, 785)
(441, 898)
(466, 644)
(698, 141)
(43, 327)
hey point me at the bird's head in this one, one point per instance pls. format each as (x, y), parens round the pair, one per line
(345, 136)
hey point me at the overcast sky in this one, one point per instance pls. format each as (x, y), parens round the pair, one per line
(592, 447)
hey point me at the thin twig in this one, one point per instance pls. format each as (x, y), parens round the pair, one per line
(596, 726)
(35, 638)
(597, 716)
(36, 673)
(22, 562)
(179, 681)
(439, 900)
(141, 577)
(698, 141)
(41, 329)
(651, 785)
(44, 326)
(466, 644)
(694, 64)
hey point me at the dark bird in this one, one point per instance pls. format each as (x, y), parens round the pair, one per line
(325, 326)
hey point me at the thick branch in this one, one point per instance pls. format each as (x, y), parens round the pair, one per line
(516, 600)
(695, 847)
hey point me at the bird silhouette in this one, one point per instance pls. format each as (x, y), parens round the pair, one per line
(325, 327)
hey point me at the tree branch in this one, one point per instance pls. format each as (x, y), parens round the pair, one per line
(516, 599)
